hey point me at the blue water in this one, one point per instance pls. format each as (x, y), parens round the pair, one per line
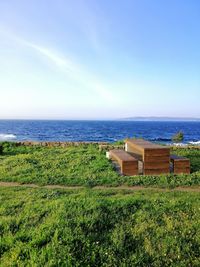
(96, 130)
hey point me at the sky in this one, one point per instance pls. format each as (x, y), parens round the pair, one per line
(99, 59)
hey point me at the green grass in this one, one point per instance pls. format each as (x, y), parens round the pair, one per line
(40, 227)
(82, 165)
(85, 227)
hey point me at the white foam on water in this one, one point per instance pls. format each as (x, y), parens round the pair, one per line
(195, 143)
(179, 144)
(7, 137)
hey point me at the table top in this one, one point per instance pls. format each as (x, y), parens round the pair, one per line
(143, 144)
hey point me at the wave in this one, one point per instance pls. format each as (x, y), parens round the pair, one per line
(7, 137)
(179, 144)
(194, 142)
(160, 139)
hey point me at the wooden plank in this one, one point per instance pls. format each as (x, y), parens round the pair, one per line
(182, 164)
(131, 147)
(129, 172)
(157, 152)
(121, 155)
(143, 147)
(136, 156)
(130, 163)
(156, 165)
(174, 157)
(182, 170)
(180, 160)
(158, 159)
(142, 143)
(126, 166)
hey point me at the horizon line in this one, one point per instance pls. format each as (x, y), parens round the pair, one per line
(136, 118)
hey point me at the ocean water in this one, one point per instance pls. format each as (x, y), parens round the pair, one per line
(160, 131)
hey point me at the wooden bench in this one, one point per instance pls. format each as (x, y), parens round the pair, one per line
(180, 164)
(127, 163)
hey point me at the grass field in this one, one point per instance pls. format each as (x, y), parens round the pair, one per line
(40, 227)
(94, 227)
(83, 165)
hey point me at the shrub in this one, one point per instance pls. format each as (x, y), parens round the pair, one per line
(178, 137)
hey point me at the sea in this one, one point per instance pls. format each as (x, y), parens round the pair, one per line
(98, 131)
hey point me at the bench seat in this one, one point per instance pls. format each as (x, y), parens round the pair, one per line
(180, 164)
(128, 164)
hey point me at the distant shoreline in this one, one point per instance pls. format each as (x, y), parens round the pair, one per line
(154, 119)
(136, 119)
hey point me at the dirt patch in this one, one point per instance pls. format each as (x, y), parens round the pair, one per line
(123, 187)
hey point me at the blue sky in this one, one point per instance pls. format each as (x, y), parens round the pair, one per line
(99, 59)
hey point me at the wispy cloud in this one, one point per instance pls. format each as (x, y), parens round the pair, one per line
(56, 59)
(74, 70)
(60, 61)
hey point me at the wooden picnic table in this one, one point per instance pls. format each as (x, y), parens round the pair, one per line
(156, 158)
